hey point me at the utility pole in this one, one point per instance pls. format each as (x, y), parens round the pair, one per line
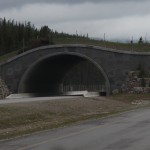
(23, 44)
(76, 37)
(132, 44)
(104, 37)
(146, 37)
(104, 40)
(76, 33)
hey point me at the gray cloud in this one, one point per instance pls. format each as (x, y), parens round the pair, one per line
(7, 4)
(116, 18)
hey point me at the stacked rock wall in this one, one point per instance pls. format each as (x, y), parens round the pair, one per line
(4, 91)
(137, 82)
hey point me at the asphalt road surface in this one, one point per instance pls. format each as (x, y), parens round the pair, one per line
(126, 131)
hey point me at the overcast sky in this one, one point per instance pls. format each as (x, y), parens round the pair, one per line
(118, 19)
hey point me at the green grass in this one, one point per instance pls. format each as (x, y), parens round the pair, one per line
(145, 47)
(7, 56)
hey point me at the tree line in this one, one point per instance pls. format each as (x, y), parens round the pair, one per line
(23, 36)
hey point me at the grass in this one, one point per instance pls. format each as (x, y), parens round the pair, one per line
(23, 118)
(41, 126)
(145, 47)
(5, 57)
(131, 97)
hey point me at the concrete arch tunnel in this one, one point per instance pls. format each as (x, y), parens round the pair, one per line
(55, 69)
(59, 73)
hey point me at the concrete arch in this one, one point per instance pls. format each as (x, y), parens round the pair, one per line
(29, 71)
(113, 64)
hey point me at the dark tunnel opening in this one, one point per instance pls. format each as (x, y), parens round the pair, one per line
(61, 73)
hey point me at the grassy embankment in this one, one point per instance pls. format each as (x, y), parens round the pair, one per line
(23, 118)
(145, 47)
(19, 119)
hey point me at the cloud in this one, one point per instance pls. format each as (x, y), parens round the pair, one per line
(87, 11)
(7, 4)
(116, 18)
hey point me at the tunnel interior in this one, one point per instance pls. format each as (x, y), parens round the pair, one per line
(62, 73)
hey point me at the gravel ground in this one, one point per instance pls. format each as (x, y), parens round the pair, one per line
(28, 117)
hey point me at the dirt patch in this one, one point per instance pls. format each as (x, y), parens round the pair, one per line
(22, 118)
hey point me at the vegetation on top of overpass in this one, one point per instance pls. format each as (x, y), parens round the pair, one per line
(18, 37)
(144, 47)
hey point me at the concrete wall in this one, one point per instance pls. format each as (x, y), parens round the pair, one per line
(113, 63)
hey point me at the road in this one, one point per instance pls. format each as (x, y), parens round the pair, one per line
(126, 131)
(32, 99)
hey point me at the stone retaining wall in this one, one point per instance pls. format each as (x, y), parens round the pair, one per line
(137, 82)
(4, 91)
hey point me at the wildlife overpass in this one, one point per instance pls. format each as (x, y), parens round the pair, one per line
(57, 69)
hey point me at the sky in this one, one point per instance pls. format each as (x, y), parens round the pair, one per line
(116, 19)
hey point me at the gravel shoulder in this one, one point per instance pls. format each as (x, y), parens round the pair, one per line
(24, 118)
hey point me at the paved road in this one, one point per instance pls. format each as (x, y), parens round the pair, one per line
(24, 99)
(127, 131)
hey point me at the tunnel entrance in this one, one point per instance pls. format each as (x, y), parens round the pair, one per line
(59, 74)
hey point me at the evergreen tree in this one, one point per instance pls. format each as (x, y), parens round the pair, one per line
(23, 36)
(140, 40)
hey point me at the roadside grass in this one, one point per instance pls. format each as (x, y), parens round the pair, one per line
(129, 98)
(135, 47)
(26, 118)
(38, 126)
